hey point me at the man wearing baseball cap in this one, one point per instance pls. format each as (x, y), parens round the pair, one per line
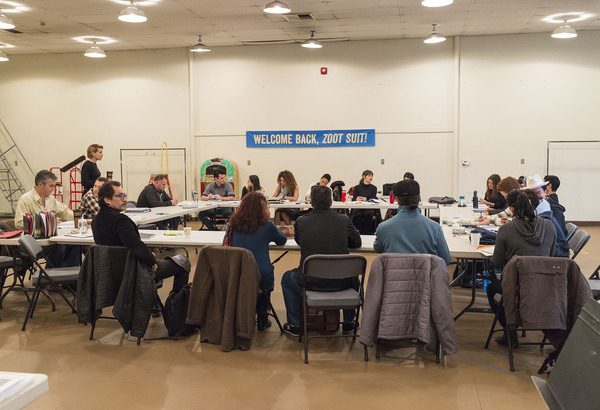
(409, 231)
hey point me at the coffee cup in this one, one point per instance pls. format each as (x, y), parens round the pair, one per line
(475, 238)
(187, 231)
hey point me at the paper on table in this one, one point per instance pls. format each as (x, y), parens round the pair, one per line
(88, 234)
(487, 250)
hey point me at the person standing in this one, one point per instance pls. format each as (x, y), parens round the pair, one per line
(89, 170)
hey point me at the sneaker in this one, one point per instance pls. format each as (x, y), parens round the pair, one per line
(291, 329)
(348, 329)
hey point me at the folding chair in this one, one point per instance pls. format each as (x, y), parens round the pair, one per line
(333, 267)
(578, 241)
(45, 278)
(571, 229)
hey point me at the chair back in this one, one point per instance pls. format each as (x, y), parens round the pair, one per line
(578, 241)
(334, 266)
(31, 246)
(571, 229)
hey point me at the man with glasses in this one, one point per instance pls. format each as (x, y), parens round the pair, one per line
(112, 227)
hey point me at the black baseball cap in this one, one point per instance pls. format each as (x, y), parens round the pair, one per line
(406, 187)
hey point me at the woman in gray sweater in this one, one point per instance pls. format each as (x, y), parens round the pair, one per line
(525, 235)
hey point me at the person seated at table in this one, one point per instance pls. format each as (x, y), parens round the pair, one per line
(287, 189)
(365, 220)
(250, 228)
(504, 187)
(219, 190)
(253, 185)
(557, 209)
(409, 231)
(321, 231)
(324, 181)
(493, 198)
(562, 246)
(40, 199)
(525, 235)
(89, 202)
(111, 227)
(153, 195)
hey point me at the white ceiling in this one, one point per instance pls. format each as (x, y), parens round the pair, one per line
(49, 26)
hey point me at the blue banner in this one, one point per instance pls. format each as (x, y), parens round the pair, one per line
(329, 138)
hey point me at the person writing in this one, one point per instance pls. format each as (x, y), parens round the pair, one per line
(493, 198)
(153, 195)
(287, 189)
(324, 181)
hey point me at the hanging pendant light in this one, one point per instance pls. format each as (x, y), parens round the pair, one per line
(564, 31)
(94, 52)
(434, 37)
(6, 23)
(132, 14)
(277, 7)
(200, 47)
(3, 56)
(436, 3)
(312, 42)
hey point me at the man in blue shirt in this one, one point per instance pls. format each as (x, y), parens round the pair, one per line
(409, 231)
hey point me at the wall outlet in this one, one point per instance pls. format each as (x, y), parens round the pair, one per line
(249, 162)
(382, 161)
(466, 162)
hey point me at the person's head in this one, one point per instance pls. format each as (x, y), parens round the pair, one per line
(507, 185)
(99, 182)
(522, 181)
(533, 197)
(286, 179)
(251, 213)
(407, 193)
(553, 184)
(111, 194)
(367, 177)
(160, 182)
(219, 176)
(492, 184)
(94, 152)
(325, 179)
(409, 175)
(320, 197)
(45, 182)
(519, 204)
(254, 183)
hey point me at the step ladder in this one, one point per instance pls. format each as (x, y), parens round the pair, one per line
(10, 183)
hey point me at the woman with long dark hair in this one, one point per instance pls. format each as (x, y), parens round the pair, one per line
(493, 198)
(365, 220)
(253, 184)
(250, 228)
(287, 189)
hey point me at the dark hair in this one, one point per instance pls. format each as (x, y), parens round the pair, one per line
(412, 201)
(43, 176)
(320, 197)
(101, 179)
(508, 185)
(107, 191)
(491, 194)
(553, 180)
(533, 197)
(523, 209)
(409, 175)
(327, 177)
(290, 181)
(522, 179)
(250, 214)
(219, 172)
(365, 173)
(159, 177)
(92, 149)
(255, 182)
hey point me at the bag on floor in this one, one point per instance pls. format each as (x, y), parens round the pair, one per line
(175, 312)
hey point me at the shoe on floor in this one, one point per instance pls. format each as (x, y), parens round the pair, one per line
(264, 326)
(291, 330)
(503, 340)
(348, 329)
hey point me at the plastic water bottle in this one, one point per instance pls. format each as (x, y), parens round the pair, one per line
(475, 200)
(194, 195)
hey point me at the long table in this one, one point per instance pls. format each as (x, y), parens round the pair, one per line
(166, 212)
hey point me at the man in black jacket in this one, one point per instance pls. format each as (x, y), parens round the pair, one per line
(557, 209)
(113, 228)
(321, 231)
(153, 195)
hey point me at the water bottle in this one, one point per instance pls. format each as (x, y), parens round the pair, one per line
(194, 195)
(475, 200)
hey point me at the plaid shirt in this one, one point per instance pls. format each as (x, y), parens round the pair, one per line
(89, 205)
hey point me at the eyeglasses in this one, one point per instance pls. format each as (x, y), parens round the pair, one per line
(123, 196)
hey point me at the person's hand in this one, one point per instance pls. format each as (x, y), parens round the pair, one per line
(504, 220)
(480, 218)
(483, 221)
(219, 197)
(361, 198)
(174, 202)
(154, 267)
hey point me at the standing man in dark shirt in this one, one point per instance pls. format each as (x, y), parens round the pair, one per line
(153, 195)
(321, 231)
(113, 228)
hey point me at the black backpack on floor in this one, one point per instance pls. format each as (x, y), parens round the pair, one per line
(175, 313)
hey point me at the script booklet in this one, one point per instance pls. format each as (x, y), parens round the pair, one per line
(487, 250)
(137, 210)
(11, 234)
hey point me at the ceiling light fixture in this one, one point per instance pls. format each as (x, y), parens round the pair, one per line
(132, 14)
(434, 37)
(3, 57)
(436, 3)
(564, 31)
(312, 42)
(6, 23)
(94, 52)
(200, 47)
(277, 7)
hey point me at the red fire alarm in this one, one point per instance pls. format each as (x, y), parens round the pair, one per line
(323, 70)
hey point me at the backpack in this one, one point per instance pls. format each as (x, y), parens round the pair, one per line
(175, 313)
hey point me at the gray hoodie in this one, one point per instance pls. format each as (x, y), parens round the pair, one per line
(524, 238)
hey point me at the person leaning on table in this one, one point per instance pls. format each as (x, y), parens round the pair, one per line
(89, 203)
(409, 231)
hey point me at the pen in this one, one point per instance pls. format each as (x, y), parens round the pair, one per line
(160, 213)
